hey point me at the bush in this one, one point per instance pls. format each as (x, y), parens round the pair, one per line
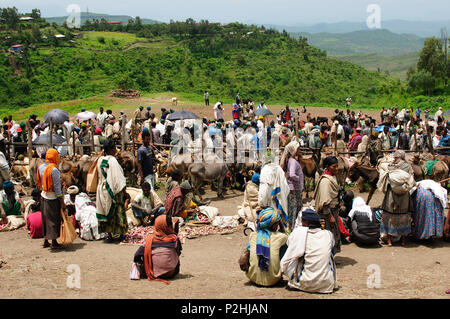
(101, 40)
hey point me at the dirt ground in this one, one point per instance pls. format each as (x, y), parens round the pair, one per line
(209, 268)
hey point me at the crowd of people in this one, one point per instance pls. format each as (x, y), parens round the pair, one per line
(289, 237)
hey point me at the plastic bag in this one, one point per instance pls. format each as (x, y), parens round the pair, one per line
(134, 273)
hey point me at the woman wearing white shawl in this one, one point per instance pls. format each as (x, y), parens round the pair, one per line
(365, 228)
(273, 187)
(110, 194)
(308, 262)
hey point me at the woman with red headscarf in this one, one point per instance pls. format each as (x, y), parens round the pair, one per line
(49, 180)
(160, 254)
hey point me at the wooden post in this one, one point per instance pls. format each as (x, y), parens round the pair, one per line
(132, 138)
(29, 141)
(335, 139)
(124, 121)
(51, 133)
(92, 136)
(415, 137)
(73, 139)
(430, 143)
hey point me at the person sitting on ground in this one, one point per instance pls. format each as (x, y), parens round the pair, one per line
(175, 203)
(159, 258)
(34, 218)
(173, 181)
(69, 199)
(261, 259)
(364, 225)
(308, 262)
(147, 203)
(11, 203)
(250, 204)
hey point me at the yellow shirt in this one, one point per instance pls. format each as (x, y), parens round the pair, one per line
(273, 275)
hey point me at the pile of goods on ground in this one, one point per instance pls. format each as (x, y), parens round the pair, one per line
(128, 94)
(138, 235)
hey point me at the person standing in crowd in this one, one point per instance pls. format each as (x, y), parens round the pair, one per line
(138, 113)
(429, 200)
(4, 169)
(396, 208)
(266, 247)
(111, 191)
(294, 175)
(326, 197)
(206, 97)
(238, 99)
(49, 180)
(146, 159)
(385, 139)
(101, 118)
(438, 115)
(218, 111)
(156, 133)
(308, 262)
(148, 113)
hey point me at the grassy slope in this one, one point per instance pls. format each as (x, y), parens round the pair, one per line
(84, 75)
(396, 65)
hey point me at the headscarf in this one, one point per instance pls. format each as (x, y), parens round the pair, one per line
(98, 131)
(163, 233)
(7, 185)
(51, 157)
(266, 219)
(310, 216)
(268, 158)
(255, 178)
(73, 190)
(290, 149)
(359, 205)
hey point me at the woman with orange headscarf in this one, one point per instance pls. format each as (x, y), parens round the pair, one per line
(49, 180)
(160, 254)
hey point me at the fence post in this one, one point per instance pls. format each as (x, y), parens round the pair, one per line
(124, 121)
(430, 143)
(29, 141)
(51, 133)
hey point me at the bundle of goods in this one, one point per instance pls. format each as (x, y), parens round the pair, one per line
(206, 230)
(138, 235)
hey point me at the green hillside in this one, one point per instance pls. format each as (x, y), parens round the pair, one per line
(99, 16)
(382, 42)
(395, 66)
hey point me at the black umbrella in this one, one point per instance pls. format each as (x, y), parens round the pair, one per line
(45, 139)
(446, 113)
(58, 116)
(182, 115)
(263, 112)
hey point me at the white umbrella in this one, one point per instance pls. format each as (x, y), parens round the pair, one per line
(86, 116)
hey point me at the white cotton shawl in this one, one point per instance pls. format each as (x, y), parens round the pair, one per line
(272, 176)
(359, 205)
(296, 249)
(438, 191)
(116, 181)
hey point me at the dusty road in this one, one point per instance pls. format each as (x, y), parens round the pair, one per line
(209, 269)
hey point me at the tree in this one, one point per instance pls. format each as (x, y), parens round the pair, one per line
(36, 32)
(36, 14)
(432, 59)
(422, 80)
(11, 17)
(138, 24)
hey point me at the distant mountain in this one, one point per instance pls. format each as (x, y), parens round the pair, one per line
(382, 42)
(91, 16)
(395, 66)
(419, 28)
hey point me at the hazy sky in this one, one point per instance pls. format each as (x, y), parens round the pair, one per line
(284, 12)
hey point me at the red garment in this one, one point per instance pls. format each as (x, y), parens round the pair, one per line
(342, 228)
(34, 225)
(163, 233)
(173, 198)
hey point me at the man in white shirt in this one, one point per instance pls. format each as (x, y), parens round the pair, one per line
(218, 111)
(438, 114)
(101, 117)
(147, 203)
(161, 127)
